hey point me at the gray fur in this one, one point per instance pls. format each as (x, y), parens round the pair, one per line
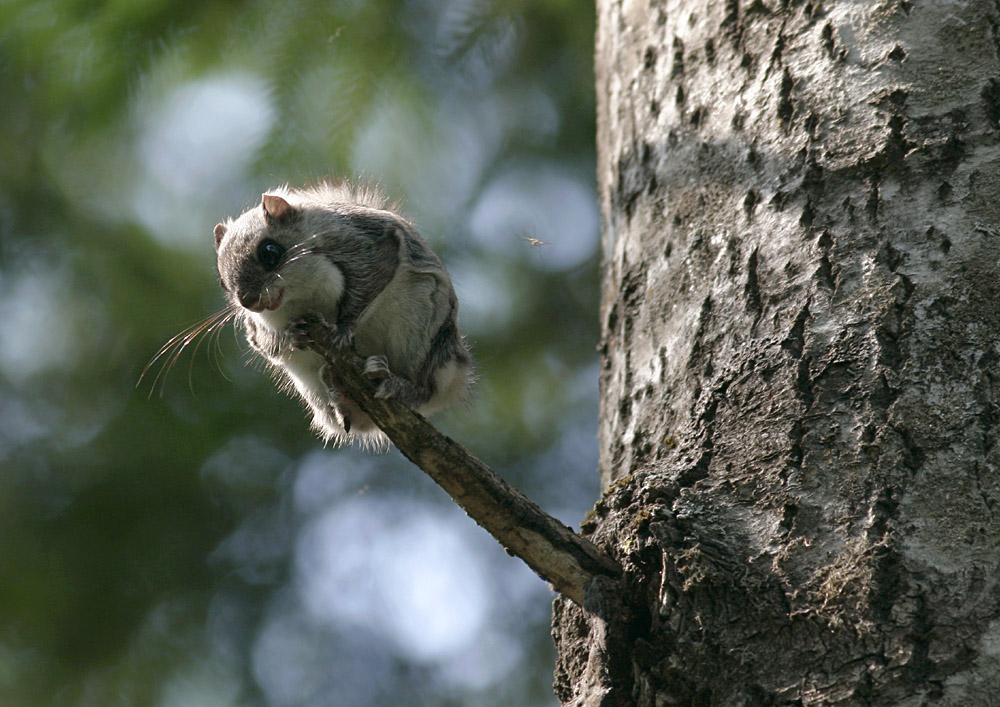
(354, 262)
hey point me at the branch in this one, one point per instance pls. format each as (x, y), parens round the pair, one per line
(557, 554)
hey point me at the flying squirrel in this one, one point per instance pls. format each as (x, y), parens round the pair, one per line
(340, 254)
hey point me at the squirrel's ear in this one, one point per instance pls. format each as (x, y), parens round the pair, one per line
(275, 207)
(220, 231)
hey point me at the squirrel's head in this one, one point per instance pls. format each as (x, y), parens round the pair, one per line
(265, 264)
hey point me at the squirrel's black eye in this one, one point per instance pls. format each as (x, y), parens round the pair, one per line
(269, 254)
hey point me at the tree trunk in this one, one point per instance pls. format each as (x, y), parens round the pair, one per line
(800, 331)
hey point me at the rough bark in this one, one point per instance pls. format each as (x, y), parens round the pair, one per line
(800, 343)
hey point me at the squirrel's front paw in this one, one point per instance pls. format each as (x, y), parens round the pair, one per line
(298, 335)
(342, 338)
(298, 331)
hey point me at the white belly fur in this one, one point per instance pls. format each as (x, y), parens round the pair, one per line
(303, 369)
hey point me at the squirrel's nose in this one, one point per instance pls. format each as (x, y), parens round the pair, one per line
(250, 300)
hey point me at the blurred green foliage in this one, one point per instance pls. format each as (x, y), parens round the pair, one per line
(150, 534)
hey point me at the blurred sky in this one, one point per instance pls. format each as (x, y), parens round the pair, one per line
(189, 542)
